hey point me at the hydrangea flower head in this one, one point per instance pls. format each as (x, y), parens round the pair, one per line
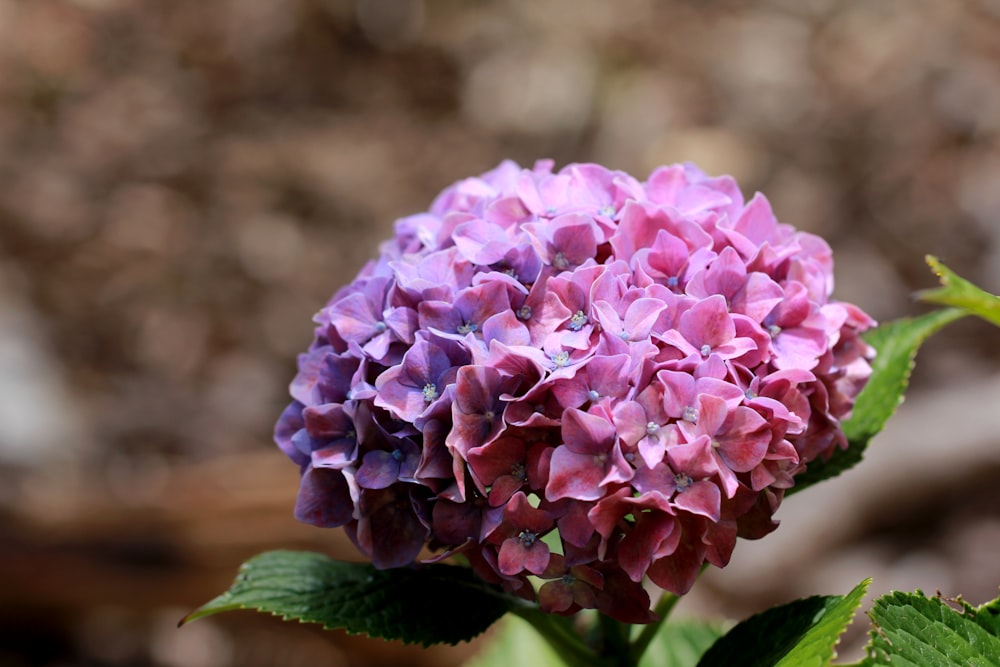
(575, 376)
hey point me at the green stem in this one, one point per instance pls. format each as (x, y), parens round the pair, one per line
(663, 609)
(560, 635)
(614, 645)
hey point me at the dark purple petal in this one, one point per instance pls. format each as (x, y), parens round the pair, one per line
(306, 387)
(702, 497)
(389, 528)
(324, 499)
(378, 470)
(586, 433)
(523, 553)
(288, 424)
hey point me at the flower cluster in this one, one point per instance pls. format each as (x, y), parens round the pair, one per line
(578, 377)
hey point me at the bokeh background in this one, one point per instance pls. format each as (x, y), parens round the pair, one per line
(184, 182)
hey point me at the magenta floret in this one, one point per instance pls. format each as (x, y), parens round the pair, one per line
(576, 376)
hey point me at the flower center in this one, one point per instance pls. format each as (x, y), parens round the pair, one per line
(560, 261)
(380, 327)
(774, 330)
(593, 395)
(652, 428)
(706, 350)
(468, 327)
(561, 359)
(430, 393)
(398, 455)
(682, 481)
(578, 321)
(690, 415)
(524, 312)
(518, 472)
(527, 538)
(673, 281)
(607, 210)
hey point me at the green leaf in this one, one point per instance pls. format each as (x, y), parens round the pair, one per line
(517, 643)
(430, 604)
(681, 644)
(913, 630)
(896, 344)
(803, 633)
(959, 292)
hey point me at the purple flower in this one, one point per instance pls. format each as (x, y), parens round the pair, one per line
(588, 460)
(707, 328)
(566, 242)
(412, 388)
(522, 531)
(569, 588)
(633, 371)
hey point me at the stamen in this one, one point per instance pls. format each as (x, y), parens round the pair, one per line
(527, 538)
(561, 359)
(593, 395)
(706, 350)
(690, 415)
(467, 328)
(560, 261)
(430, 393)
(682, 481)
(578, 321)
(380, 327)
(652, 428)
(524, 312)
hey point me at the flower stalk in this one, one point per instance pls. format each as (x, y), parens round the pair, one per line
(664, 606)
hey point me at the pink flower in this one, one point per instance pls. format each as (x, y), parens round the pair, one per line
(577, 377)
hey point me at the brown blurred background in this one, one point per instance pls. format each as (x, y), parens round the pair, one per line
(184, 182)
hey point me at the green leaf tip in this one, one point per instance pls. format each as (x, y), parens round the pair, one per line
(896, 344)
(960, 293)
(803, 633)
(428, 604)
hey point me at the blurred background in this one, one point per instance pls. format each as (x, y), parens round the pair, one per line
(184, 182)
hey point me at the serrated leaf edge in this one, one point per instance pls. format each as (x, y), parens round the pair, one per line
(224, 602)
